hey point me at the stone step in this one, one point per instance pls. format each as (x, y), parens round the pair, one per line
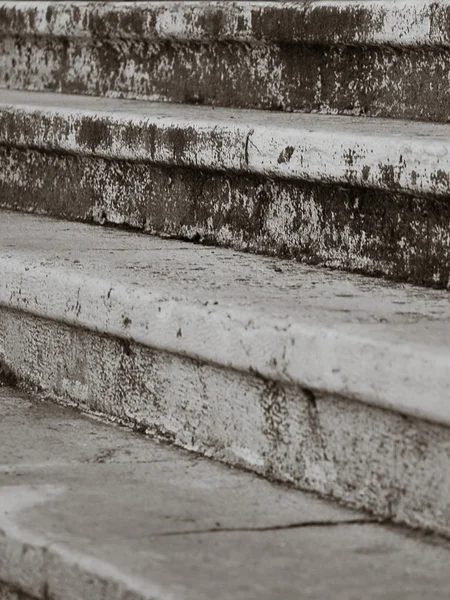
(379, 58)
(89, 511)
(366, 195)
(332, 382)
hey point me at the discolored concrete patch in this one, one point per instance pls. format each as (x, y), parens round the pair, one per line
(366, 195)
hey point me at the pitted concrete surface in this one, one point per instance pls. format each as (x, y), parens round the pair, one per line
(364, 195)
(118, 516)
(403, 156)
(376, 58)
(375, 342)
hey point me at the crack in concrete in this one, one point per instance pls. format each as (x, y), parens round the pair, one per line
(264, 528)
(14, 468)
(104, 459)
(247, 142)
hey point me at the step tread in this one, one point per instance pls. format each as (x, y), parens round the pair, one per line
(122, 108)
(406, 156)
(118, 516)
(382, 343)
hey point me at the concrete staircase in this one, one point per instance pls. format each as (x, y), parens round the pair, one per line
(331, 380)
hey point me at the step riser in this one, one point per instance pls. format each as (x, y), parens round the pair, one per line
(375, 81)
(370, 231)
(316, 56)
(407, 23)
(318, 442)
(398, 156)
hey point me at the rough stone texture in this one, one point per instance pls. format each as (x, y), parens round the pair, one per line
(394, 466)
(280, 56)
(367, 231)
(354, 224)
(400, 23)
(118, 517)
(379, 343)
(356, 81)
(406, 156)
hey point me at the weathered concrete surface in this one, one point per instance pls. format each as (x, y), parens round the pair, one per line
(394, 466)
(366, 195)
(309, 56)
(411, 157)
(108, 525)
(368, 231)
(380, 343)
(400, 23)
(386, 212)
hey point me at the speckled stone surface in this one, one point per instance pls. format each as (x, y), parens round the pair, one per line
(364, 58)
(366, 195)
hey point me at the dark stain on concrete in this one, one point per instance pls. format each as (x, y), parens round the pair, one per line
(274, 406)
(286, 155)
(388, 176)
(94, 133)
(290, 76)
(441, 179)
(365, 173)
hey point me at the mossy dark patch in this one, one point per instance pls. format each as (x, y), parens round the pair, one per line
(94, 133)
(7, 376)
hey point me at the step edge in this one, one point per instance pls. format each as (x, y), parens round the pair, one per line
(307, 355)
(379, 22)
(280, 146)
(33, 566)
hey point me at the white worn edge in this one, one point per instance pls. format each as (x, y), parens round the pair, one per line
(252, 143)
(409, 378)
(394, 22)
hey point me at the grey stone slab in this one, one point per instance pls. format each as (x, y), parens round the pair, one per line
(43, 443)
(381, 232)
(379, 343)
(183, 528)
